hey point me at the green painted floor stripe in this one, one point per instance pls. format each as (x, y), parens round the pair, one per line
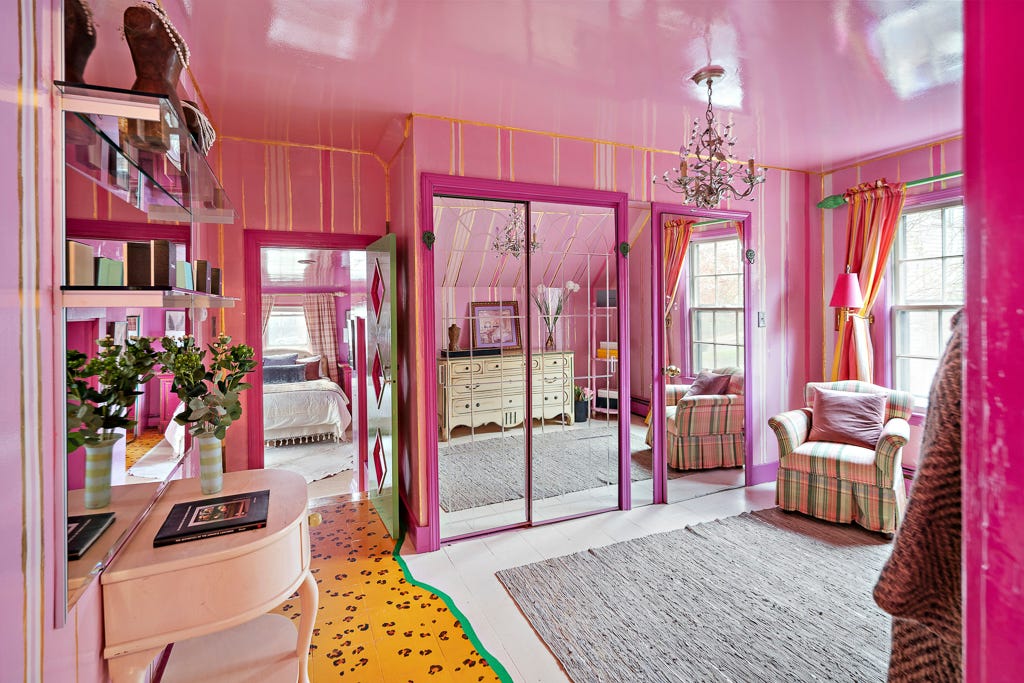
(498, 667)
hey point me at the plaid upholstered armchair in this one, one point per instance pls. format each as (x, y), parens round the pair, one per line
(840, 482)
(705, 431)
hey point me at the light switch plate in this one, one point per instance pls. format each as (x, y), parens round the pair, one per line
(762, 319)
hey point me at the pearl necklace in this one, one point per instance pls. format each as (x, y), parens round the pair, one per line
(207, 135)
(90, 25)
(179, 43)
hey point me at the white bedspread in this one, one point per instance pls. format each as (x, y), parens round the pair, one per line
(305, 408)
(291, 409)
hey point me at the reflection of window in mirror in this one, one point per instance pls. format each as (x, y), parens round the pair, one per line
(716, 304)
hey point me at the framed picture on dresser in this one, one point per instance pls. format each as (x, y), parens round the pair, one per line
(496, 325)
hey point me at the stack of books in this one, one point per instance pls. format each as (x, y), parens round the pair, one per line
(607, 349)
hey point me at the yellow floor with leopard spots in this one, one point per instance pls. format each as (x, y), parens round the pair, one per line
(373, 624)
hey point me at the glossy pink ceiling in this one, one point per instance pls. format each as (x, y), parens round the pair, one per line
(811, 83)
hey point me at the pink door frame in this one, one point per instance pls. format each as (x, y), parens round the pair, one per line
(753, 474)
(253, 242)
(435, 183)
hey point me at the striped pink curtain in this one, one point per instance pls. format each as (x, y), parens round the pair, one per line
(677, 239)
(266, 306)
(872, 221)
(321, 321)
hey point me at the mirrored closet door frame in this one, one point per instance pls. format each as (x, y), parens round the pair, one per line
(432, 184)
(659, 210)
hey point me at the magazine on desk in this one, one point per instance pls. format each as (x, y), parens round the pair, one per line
(196, 519)
(83, 530)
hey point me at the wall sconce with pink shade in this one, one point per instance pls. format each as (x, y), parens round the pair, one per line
(846, 296)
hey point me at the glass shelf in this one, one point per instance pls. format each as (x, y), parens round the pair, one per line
(133, 145)
(141, 297)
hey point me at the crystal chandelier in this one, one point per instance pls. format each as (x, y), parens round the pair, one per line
(712, 176)
(512, 239)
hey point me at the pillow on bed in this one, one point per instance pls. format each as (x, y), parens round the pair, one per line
(283, 359)
(312, 365)
(281, 374)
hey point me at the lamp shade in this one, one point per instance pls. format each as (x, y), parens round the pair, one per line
(847, 292)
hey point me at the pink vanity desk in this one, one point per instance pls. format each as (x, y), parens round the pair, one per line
(210, 597)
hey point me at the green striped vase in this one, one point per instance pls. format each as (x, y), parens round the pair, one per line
(211, 464)
(98, 456)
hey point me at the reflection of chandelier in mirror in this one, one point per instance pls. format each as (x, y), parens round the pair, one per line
(713, 176)
(512, 238)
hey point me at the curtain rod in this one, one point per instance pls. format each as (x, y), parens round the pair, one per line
(715, 221)
(837, 200)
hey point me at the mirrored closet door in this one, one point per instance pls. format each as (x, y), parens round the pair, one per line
(527, 325)
(703, 352)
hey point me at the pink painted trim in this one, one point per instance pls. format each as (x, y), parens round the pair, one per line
(992, 479)
(362, 409)
(253, 241)
(83, 228)
(435, 183)
(753, 474)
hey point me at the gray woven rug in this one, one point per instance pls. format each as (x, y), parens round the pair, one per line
(768, 596)
(490, 471)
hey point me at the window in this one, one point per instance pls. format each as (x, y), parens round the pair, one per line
(286, 329)
(716, 304)
(928, 288)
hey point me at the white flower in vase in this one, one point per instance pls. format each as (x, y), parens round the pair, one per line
(550, 302)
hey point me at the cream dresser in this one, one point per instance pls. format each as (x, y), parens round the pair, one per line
(475, 391)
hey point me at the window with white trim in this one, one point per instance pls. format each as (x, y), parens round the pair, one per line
(716, 304)
(286, 329)
(928, 289)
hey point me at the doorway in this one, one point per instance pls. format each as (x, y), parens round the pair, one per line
(302, 288)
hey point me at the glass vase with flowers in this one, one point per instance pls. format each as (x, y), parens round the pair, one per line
(550, 303)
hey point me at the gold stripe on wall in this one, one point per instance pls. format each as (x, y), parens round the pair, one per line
(355, 221)
(266, 188)
(824, 309)
(285, 143)
(451, 148)
(499, 155)
(289, 199)
(511, 158)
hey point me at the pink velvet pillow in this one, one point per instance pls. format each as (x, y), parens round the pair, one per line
(709, 384)
(312, 365)
(847, 417)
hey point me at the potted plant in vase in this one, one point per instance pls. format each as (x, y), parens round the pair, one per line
(209, 391)
(97, 409)
(581, 402)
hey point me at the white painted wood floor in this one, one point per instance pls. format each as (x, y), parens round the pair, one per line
(465, 570)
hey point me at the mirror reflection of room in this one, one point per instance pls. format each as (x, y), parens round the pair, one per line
(307, 297)
(491, 324)
(703, 355)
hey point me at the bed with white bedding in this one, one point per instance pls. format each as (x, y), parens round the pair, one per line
(296, 412)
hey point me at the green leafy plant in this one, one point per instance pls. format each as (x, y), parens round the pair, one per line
(102, 389)
(582, 393)
(209, 389)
